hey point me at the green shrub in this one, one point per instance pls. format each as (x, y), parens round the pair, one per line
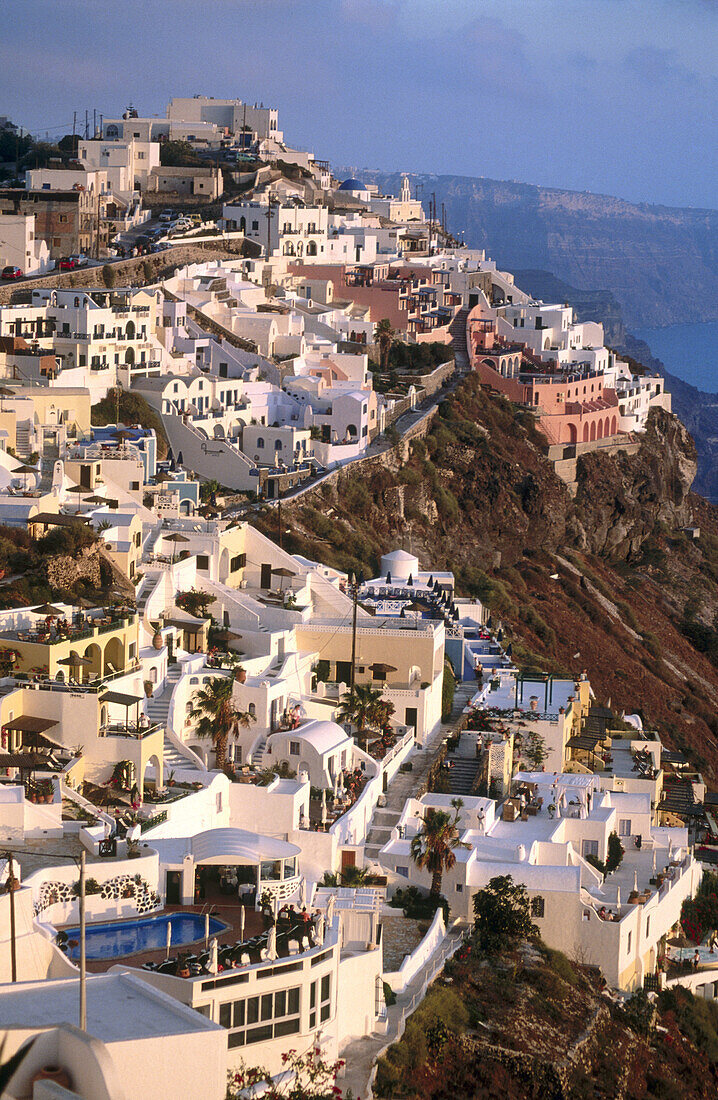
(614, 856)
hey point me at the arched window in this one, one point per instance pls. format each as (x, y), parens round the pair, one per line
(288, 248)
(243, 224)
(351, 430)
(252, 708)
(277, 444)
(312, 248)
(260, 443)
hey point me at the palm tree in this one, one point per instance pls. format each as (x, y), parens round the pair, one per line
(216, 715)
(364, 708)
(384, 336)
(433, 848)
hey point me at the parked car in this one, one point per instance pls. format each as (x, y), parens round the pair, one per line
(167, 216)
(79, 259)
(11, 272)
(195, 219)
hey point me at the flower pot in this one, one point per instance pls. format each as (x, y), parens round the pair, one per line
(157, 641)
(240, 675)
(149, 686)
(53, 1073)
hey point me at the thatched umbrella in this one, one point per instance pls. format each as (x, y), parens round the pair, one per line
(75, 662)
(25, 470)
(46, 609)
(680, 940)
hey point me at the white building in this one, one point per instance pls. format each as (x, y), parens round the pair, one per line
(19, 247)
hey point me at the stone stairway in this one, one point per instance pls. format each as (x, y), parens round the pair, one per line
(258, 753)
(174, 760)
(462, 774)
(157, 707)
(457, 328)
(405, 785)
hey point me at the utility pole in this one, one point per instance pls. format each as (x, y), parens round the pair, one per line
(74, 122)
(94, 122)
(269, 215)
(97, 227)
(279, 517)
(83, 960)
(11, 883)
(87, 123)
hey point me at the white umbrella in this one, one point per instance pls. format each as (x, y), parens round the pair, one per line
(319, 928)
(654, 862)
(213, 963)
(618, 897)
(324, 806)
(330, 908)
(336, 786)
(303, 892)
(241, 922)
(670, 848)
(275, 905)
(206, 930)
(169, 937)
(272, 943)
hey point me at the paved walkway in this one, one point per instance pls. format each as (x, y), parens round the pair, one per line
(361, 1055)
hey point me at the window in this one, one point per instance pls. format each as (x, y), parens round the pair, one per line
(537, 907)
(589, 848)
(459, 887)
(628, 942)
(260, 443)
(237, 562)
(255, 225)
(624, 826)
(202, 562)
(294, 748)
(403, 871)
(281, 1006)
(648, 925)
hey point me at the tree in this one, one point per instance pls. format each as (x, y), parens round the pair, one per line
(614, 855)
(178, 154)
(432, 849)
(304, 1076)
(502, 911)
(365, 708)
(216, 715)
(535, 751)
(384, 336)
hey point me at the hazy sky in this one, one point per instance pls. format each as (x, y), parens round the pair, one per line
(616, 96)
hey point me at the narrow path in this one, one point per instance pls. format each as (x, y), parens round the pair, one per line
(361, 1055)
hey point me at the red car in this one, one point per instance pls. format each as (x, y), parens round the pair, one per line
(65, 264)
(11, 272)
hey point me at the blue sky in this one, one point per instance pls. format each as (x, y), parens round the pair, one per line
(616, 96)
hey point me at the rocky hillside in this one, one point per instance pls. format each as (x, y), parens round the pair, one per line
(661, 263)
(607, 581)
(528, 1024)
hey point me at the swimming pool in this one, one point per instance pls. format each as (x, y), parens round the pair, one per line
(118, 938)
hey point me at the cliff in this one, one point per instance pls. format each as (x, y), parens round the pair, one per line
(660, 263)
(607, 581)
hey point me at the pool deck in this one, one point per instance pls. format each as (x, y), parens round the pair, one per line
(227, 912)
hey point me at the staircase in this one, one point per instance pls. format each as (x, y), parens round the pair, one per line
(382, 824)
(258, 753)
(462, 774)
(457, 328)
(157, 707)
(22, 439)
(175, 761)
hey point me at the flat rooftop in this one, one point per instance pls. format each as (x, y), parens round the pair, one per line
(119, 1007)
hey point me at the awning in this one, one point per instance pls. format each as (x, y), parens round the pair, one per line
(586, 741)
(120, 699)
(27, 724)
(192, 626)
(239, 846)
(56, 519)
(27, 761)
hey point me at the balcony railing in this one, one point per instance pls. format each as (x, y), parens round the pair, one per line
(131, 730)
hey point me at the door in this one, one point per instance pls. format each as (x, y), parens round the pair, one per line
(344, 672)
(266, 576)
(349, 859)
(172, 888)
(410, 717)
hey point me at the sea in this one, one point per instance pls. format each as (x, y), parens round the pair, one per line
(688, 351)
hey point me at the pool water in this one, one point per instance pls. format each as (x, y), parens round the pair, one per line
(118, 938)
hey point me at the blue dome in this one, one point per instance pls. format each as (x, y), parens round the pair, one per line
(352, 185)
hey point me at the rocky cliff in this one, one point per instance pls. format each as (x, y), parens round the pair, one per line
(660, 263)
(608, 581)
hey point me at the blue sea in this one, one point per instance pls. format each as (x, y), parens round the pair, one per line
(688, 351)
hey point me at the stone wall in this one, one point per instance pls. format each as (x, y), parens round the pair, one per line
(63, 571)
(128, 272)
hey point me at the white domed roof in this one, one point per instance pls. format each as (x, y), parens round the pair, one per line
(398, 555)
(322, 736)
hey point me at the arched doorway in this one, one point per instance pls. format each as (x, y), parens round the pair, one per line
(94, 654)
(613, 425)
(129, 356)
(572, 433)
(114, 656)
(585, 433)
(152, 771)
(130, 330)
(592, 433)
(599, 430)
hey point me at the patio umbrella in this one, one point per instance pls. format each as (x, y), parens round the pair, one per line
(282, 573)
(336, 786)
(319, 928)
(241, 922)
(324, 806)
(680, 940)
(25, 470)
(213, 961)
(228, 636)
(654, 862)
(670, 848)
(635, 882)
(379, 670)
(169, 937)
(330, 908)
(388, 578)
(618, 897)
(75, 662)
(206, 930)
(303, 892)
(46, 609)
(272, 943)
(175, 537)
